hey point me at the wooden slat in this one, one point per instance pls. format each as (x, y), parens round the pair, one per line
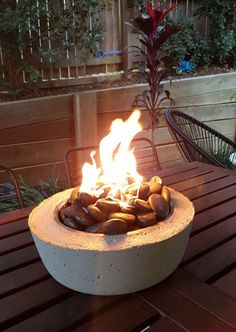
(227, 284)
(15, 242)
(165, 173)
(85, 113)
(62, 128)
(200, 242)
(13, 228)
(99, 63)
(58, 317)
(33, 153)
(214, 198)
(224, 126)
(215, 97)
(202, 85)
(40, 110)
(198, 180)
(207, 188)
(204, 295)
(18, 304)
(161, 135)
(22, 277)
(214, 214)
(105, 119)
(209, 113)
(206, 90)
(171, 163)
(15, 215)
(166, 325)
(117, 99)
(165, 151)
(184, 311)
(186, 178)
(18, 258)
(205, 113)
(214, 261)
(126, 316)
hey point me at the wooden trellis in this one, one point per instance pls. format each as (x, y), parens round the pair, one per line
(70, 69)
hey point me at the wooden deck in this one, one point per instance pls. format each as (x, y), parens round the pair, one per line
(199, 296)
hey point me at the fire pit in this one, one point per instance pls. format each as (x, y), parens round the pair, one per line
(116, 233)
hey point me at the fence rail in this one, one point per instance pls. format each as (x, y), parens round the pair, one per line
(70, 66)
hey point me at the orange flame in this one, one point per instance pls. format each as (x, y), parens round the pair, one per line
(118, 162)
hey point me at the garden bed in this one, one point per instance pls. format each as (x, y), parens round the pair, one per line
(97, 83)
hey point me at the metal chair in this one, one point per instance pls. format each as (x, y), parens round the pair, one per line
(200, 142)
(15, 185)
(144, 150)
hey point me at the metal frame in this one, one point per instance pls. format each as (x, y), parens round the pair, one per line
(185, 129)
(76, 149)
(15, 184)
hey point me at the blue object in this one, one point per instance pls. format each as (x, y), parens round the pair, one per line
(186, 66)
(102, 54)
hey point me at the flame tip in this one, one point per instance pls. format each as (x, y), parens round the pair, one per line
(117, 159)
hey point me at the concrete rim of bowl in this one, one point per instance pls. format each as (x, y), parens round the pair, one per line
(44, 225)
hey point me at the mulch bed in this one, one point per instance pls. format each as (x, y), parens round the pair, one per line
(36, 91)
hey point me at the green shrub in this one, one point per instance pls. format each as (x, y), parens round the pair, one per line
(221, 37)
(25, 41)
(223, 156)
(30, 195)
(184, 44)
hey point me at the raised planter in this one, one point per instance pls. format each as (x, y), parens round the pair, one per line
(35, 133)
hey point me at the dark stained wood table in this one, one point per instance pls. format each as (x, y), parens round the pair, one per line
(199, 296)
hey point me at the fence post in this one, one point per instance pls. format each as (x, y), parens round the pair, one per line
(85, 116)
(126, 38)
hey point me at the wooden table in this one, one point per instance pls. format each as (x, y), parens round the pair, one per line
(199, 296)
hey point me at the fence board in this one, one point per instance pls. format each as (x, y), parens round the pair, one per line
(209, 112)
(26, 112)
(62, 128)
(70, 65)
(33, 153)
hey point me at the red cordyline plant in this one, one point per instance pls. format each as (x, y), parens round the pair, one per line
(154, 32)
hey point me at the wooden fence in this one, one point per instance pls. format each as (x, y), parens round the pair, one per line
(69, 69)
(34, 134)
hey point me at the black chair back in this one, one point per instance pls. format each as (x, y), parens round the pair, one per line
(144, 150)
(200, 142)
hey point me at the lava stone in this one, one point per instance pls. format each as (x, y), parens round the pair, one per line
(115, 226)
(78, 214)
(96, 228)
(146, 219)
(155, 187)
(130, 218)
(128, 209)
(108, 206)
(156, 179)
(144, 191)
(165, 193)
(142, 205)
(71, 223)
(159, 205)
(86, 199)
(96, 213)
(133, 228)
(74, 194)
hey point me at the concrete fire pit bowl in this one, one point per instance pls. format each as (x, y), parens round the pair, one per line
(110, 264)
